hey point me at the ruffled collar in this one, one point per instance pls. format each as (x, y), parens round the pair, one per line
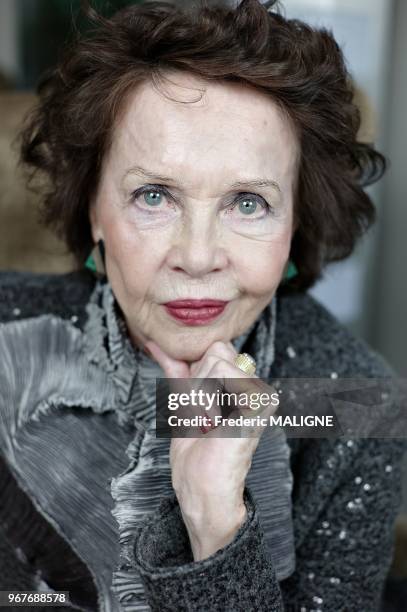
(107, 342)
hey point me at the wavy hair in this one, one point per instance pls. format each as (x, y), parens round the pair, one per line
(300, 67)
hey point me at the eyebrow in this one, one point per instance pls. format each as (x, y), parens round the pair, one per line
(257, 182)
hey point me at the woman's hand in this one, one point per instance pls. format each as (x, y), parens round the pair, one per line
(209, 471)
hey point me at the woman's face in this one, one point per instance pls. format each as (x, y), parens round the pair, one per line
(195, 201)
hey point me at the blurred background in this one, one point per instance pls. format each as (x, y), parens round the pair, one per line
(368, 292)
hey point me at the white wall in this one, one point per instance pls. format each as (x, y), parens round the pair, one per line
(389, 295)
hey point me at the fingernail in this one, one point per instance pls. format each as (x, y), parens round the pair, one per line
(205, 429)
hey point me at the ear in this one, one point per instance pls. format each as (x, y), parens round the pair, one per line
(97, 233)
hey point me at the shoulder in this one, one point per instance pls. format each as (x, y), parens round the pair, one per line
(41, 340)
(311, 342)
(26, 294)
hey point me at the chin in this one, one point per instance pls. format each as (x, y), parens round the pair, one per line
(187, 354)
(188, 349)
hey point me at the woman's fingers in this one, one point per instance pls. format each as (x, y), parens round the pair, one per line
(217, 350)
(242, 394)
(248, 396)
(201, 369)
(215, 377)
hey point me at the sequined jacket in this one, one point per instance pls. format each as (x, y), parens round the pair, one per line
(345, 495)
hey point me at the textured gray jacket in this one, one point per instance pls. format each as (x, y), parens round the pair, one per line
(343, 549)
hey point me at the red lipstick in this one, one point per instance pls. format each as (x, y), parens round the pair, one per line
(195, 312)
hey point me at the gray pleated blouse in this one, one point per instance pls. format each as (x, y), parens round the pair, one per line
(78, 430)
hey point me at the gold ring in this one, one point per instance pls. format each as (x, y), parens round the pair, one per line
(246, 363)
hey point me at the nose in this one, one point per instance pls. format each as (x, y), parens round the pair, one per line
(198, 249)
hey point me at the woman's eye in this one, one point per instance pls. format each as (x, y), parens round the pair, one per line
(153, 197)
(149, 196)
(252, 206)
(248, 206)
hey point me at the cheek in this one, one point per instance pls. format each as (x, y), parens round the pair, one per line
(134, 256)
(260, 264)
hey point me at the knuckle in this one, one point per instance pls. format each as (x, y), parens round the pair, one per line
(220, 349)
(207, 363)
(218, 345)
(220, 367)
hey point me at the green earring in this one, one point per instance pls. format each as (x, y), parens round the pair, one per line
(96, 259)
(291, 270)
(90, 263)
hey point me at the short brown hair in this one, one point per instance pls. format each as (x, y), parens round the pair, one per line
(300, 67)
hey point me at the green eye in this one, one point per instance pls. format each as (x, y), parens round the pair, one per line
(247, 206)
(153, 198)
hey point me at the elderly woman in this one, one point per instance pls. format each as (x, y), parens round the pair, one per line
(208, 161)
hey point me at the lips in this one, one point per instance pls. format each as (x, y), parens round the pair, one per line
(195, 312)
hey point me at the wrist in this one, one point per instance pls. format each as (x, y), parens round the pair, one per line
(215, 532)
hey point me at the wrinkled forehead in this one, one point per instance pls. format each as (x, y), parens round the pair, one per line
(196, 127)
